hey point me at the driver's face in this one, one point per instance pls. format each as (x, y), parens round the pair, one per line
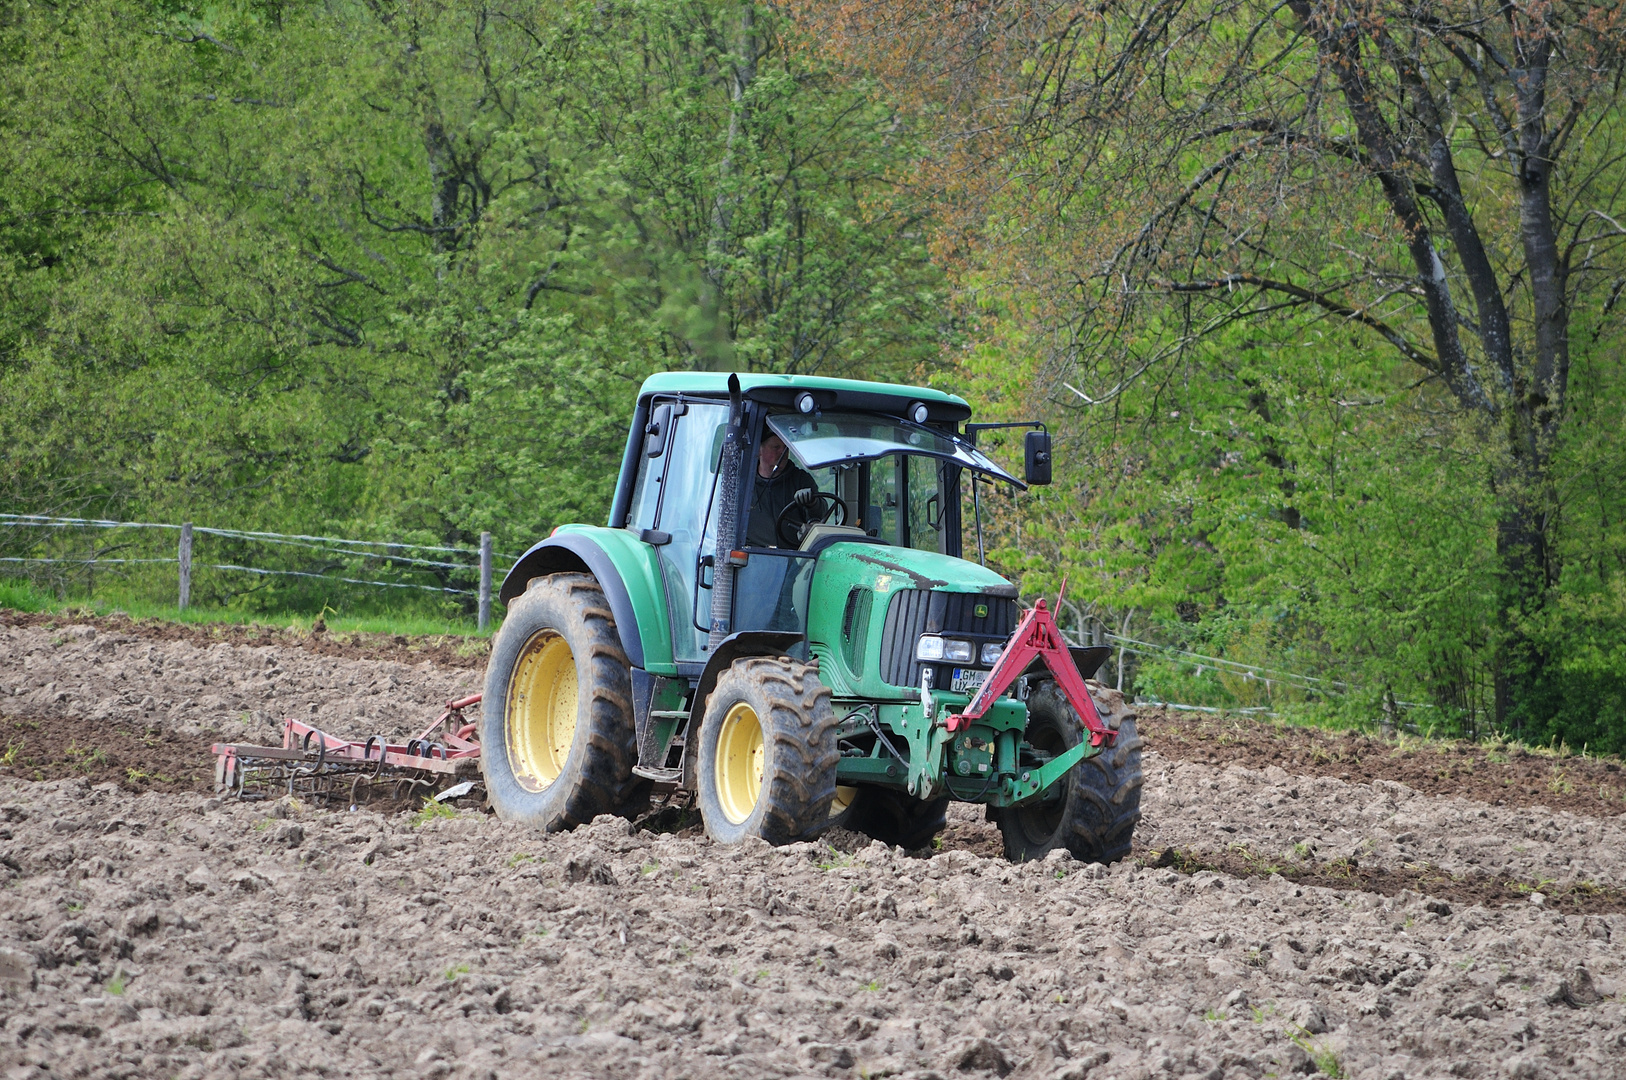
(771, 455)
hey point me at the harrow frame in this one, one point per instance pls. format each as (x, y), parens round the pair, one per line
(321, 766)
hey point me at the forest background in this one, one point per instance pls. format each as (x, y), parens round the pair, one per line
(1321, 300)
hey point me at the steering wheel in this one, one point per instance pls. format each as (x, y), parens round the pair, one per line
(791, 533)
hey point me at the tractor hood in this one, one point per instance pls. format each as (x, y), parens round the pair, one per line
(872, 602)
(887, 569)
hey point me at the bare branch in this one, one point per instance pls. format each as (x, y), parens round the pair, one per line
(1319, 299)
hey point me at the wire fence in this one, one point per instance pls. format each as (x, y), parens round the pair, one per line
(454, 567)
(1270, 678)
(45, 542)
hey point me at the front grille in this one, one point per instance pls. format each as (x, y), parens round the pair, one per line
(913, 612)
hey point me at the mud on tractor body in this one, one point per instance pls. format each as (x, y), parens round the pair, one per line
(791, 662)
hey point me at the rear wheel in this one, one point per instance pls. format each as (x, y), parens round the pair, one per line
(1099, 802)
(895, 818)
(766, 760)
(556, 728)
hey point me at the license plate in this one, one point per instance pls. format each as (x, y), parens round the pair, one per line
(966, 680)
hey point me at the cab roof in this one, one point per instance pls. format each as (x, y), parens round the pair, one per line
(781, 390)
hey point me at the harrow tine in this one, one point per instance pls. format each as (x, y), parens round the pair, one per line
(314, 764)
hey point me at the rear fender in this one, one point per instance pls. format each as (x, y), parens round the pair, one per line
(626, 569)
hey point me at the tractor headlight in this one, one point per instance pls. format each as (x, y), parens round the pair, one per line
(933, 647)
(991, 652)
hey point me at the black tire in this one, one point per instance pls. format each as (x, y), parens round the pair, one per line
(796, 727)
(557, 783)
(896, 818)
(1095, 817)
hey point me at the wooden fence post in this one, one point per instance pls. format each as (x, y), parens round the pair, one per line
(186, 564)
(485, 580)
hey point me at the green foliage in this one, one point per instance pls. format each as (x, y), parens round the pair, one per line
(1293, 501)
(21, 595)
(1294, 445)
(1323, 1058)
(433, 811)
(832, 859)
(397, 271)
(123, 599)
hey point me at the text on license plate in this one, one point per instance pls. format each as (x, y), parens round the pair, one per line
(966, 680)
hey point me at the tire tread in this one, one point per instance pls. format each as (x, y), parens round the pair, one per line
(1103, 793)
(793, 706)
(601, 783)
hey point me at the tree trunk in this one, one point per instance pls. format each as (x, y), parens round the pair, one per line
(1523, 582)
(1528, 405)
(444, 180)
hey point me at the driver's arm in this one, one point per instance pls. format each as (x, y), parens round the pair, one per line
(803, 501)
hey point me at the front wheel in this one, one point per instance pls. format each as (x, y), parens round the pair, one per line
(1093, 816)
(893, 817)
(766, 763)
(557, 741)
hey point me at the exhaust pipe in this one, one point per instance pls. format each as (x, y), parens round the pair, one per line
(728, 488)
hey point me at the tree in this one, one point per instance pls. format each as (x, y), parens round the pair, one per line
(399, 268)
(1445, 179)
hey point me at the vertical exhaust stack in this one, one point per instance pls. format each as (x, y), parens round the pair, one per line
(728, 488)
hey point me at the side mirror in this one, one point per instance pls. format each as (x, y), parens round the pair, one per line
(656, 431)
(1036, 457)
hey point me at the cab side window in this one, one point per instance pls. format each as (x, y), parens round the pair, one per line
(646, 489)
(925, 504)
(685, 516)
(883, 488)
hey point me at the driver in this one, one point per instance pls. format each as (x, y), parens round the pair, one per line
(780, 483)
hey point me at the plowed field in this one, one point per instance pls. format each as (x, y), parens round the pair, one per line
(1299, 903)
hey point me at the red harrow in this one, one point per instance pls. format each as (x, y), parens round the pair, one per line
(443, 761)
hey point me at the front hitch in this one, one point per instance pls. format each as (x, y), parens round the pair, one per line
(1032, 781)
(1038, 637)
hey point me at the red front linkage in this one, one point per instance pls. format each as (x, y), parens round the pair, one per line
(1036, 636)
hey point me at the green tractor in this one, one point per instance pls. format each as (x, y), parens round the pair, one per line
(776, 626)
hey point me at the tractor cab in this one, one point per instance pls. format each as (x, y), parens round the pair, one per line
(865, 477)
(777, 627)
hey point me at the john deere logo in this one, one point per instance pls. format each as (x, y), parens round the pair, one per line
(982, 611)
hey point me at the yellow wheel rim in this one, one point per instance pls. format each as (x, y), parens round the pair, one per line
(541, 719)
(844, 798)
(739, 763)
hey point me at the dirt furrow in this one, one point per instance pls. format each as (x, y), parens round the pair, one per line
(447, 651)
(242, 681)
(1272, 816)
(167, 934)
(196, 688)
(1497, 773)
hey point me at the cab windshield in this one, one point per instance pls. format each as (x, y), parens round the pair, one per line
(834, 438)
